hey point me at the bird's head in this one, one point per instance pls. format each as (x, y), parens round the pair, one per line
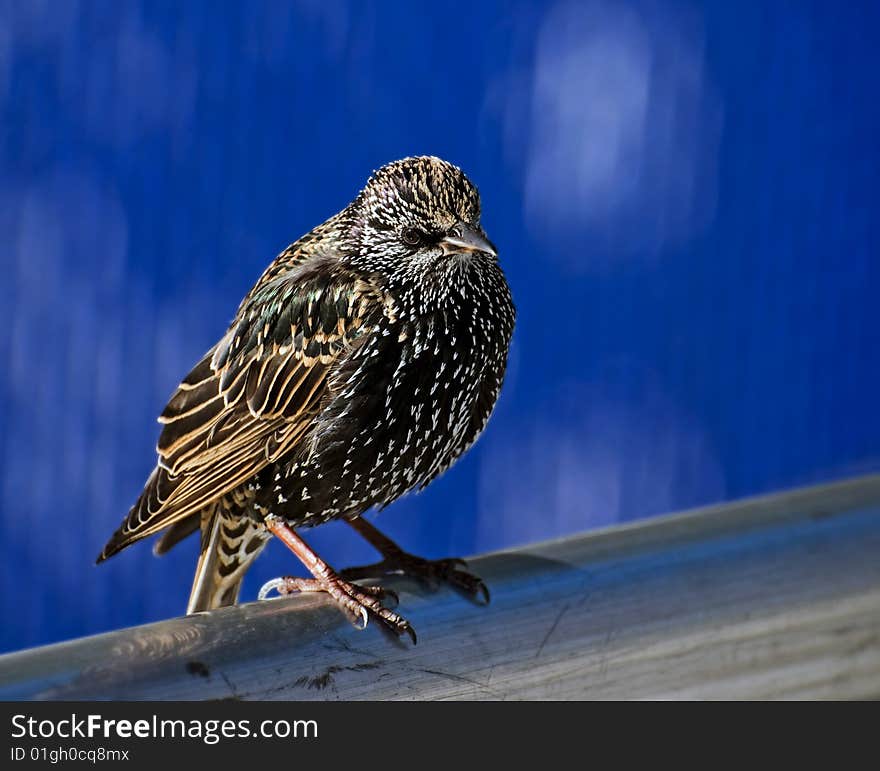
(418, 220)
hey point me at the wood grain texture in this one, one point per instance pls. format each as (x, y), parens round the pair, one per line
(773, 597)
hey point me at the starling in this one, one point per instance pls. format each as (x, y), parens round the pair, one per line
(366, 359)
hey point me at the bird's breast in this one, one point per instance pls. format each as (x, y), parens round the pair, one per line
(406, 403)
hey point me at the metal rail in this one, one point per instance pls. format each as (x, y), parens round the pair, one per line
(773, 597)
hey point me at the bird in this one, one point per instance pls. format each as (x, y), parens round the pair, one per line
(367, 359)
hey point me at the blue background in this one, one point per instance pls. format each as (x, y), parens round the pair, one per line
(683, 194)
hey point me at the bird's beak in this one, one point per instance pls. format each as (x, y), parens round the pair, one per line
(465, 239)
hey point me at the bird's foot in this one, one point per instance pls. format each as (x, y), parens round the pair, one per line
(429, 573)
(359, 603)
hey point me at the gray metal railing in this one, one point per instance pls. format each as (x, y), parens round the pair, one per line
(772, 597)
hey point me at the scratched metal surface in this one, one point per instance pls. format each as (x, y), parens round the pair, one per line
(683, 192)
(774, 597)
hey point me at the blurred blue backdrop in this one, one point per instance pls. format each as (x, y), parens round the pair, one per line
(683, 194)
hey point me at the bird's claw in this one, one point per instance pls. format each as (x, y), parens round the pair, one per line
(357, 602)
(275, 585)
(429, 573)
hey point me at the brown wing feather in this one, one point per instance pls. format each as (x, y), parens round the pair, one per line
(254, 396)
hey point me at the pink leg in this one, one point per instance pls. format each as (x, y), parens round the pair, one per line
(358, 602)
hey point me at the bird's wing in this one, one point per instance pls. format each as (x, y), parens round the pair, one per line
(254, 395)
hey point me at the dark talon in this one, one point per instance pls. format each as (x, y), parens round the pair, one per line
(401, 629)
(396, 624)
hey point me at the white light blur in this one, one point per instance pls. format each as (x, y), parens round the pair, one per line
(618, 142)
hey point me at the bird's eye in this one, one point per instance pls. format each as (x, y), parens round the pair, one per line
(412, 237)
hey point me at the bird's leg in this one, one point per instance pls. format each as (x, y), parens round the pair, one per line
(396, 561)
(358, 602)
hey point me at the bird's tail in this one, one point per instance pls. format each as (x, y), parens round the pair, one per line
(229, 546)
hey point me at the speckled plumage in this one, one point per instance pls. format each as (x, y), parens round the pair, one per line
(366, 359)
